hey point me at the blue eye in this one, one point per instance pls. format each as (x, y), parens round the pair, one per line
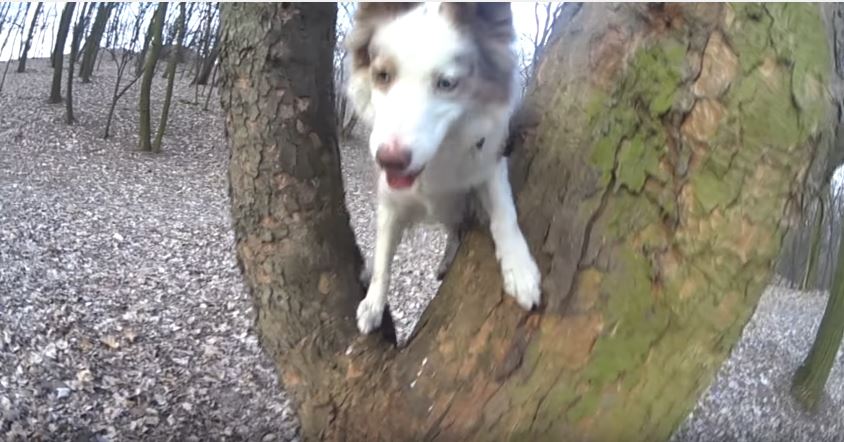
(446, 84)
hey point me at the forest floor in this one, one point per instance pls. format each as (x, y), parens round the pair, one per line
(123, 316)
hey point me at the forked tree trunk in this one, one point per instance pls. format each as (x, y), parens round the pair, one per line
(673, 142)
(155, 30)
(92, 44)
(171, 78)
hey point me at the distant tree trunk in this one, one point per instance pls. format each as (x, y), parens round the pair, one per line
(122, 63)
(92, 44)
(814, 247)
(78, 31)
(811, 377)
(149, 72)
(142, 56)
(171, 77)
(208, 65)
(657, 163)
(58, 52)
(13, 34)
(28, 43)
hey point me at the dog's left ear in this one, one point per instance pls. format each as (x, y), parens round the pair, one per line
(492, 20)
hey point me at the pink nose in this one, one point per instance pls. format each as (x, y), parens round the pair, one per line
(393, 156)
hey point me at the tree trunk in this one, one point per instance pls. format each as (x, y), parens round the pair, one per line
(171, 77)
(28, 43)
(814, 246)
(144, 130)
(673, 141)
(58, 52)
(78, 31)
(208, 65)
(92, 44)
(810, 378)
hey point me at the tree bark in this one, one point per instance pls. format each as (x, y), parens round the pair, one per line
(171, 78)
(28, 43)
(58, 52)
(674, 142)
(78, 31)
(92, 44)
(155, 29)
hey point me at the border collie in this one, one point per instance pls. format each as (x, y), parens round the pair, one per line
(437, 83)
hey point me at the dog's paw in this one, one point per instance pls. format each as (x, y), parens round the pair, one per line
(521, 279)
(369, 315)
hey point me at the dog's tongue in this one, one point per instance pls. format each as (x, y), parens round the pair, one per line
(399, 181)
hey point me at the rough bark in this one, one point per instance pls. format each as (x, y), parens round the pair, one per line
(92, 44)
(28, 43)
(171, 78)
(674, 142)
(155, 29)
(58, 52)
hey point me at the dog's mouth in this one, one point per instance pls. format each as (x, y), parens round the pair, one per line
(401, 180)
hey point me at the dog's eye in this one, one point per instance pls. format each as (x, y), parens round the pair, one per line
(382, 77)
(446, 84)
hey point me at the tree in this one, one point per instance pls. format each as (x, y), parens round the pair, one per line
(154, 38)
(171, 77)
(16, 30)
(78, 31)
(28, 44)
(809, 276)
(92, 44)
(212, 37)
(58, 52)
(672, 140)
(122, 53)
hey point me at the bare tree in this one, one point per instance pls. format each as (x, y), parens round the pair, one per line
(171, 77)
(28, 43)
(212, 39)
(811, 377)
(122, 52)
(78, 32)
(58, 52)
(155, 29)
(15, 29)
(92, 43)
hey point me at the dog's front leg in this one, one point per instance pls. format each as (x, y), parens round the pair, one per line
(387, 237)
(518, 269)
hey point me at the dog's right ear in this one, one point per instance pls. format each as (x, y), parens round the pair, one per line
(367, 18)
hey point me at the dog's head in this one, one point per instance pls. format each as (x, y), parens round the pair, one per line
(418, 68)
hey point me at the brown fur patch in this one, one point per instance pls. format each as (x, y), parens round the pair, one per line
(490, 25)
(367, 19)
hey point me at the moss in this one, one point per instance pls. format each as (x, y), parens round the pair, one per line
(749, 35)
(633, 319)
(716, 191)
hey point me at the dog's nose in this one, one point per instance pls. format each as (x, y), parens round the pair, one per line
(392, 156)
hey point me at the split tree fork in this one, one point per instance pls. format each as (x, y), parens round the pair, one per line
(655, 181)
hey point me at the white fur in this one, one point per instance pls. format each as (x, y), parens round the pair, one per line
(442, 133)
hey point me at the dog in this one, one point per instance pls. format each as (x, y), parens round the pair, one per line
(437, 85)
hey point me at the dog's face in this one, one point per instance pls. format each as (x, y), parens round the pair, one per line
(417, 69)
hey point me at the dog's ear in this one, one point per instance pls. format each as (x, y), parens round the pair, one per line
(491, 20)
(367, 18)
(491, 27)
